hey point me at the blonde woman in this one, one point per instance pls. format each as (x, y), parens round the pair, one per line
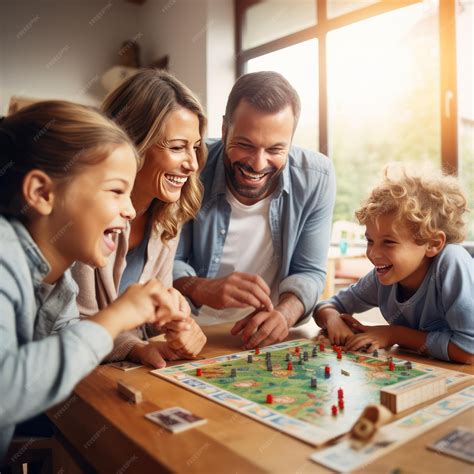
(167, 125)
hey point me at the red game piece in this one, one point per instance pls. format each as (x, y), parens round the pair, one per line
(341, 404)
(199, 372)
(334, 410)
(269, 398)
(321, 347)
(340, 393)
(257, 350)
(297, 349)
(290, 366)
(391, 366)
(339, 354)
(327, 371)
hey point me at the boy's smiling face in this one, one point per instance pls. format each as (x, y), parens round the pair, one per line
(395, 254)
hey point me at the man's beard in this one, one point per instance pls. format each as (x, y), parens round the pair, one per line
(231, 170)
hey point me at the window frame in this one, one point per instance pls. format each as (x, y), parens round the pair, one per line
(324, 25)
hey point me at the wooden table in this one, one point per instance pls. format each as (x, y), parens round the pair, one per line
(107, 434)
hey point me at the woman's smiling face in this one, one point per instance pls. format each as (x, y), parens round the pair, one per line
(169, 164)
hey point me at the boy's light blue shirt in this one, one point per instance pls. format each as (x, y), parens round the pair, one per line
(443, 305)
(42, 355)
(300, 221)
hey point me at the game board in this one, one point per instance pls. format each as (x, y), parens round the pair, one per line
(296, 408)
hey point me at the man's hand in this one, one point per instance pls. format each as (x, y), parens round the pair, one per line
(262, 328)
(373, 337)
(237, 290)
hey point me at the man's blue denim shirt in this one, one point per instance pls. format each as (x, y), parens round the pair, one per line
(300, 221)
(42, 355)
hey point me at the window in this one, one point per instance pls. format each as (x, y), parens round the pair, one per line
(271, 19)
(302, 76)
(383, 74)
(381, 105)
(465, 60)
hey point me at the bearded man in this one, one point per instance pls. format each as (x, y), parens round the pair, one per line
(256, 253)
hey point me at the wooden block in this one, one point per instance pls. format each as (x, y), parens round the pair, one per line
(129, 393)
(407, 394)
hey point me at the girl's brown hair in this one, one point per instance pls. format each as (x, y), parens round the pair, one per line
(57, 137)
(141, 105)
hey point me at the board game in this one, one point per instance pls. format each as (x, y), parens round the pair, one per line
(300, 387)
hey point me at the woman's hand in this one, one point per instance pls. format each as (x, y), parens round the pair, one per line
(187, 343)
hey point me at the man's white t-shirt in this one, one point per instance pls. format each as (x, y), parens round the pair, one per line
(248, 248)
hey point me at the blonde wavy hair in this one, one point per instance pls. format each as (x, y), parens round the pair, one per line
(141, 106)
(425, 200)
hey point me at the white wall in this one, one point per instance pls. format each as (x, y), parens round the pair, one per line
(198, 35)
(220, 64)
(60, 48)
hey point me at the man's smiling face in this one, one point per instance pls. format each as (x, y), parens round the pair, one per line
(256, 150)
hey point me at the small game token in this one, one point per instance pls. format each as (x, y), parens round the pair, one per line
(345, 372)
(321, 347)
(290, 366)
(375, 353)
(408, 365)
(305, 355)
(269, 367)
(339, 354)
(340, 393)
(341, 404)
(391, 366)
(128, 392)
(315, 352)
(233, 372)
(249, 358)
(297, 349)
(314, 382)
(257, 350)
(334, 410)
(269, 398)
(268, 355)
(199, 372)
(327, 371)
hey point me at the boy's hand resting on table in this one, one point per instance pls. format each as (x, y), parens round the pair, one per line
(373, 337)
(339, 331)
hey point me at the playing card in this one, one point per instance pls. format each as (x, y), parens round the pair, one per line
(125, 365)
(458, 443)
(175, 419)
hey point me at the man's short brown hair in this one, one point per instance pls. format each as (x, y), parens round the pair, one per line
(267, 91)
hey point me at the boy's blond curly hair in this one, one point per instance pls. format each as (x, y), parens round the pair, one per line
(426, 201)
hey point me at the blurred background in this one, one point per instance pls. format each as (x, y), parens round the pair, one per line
(379, 81)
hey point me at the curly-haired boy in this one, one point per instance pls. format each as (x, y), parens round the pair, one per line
(423, 281)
